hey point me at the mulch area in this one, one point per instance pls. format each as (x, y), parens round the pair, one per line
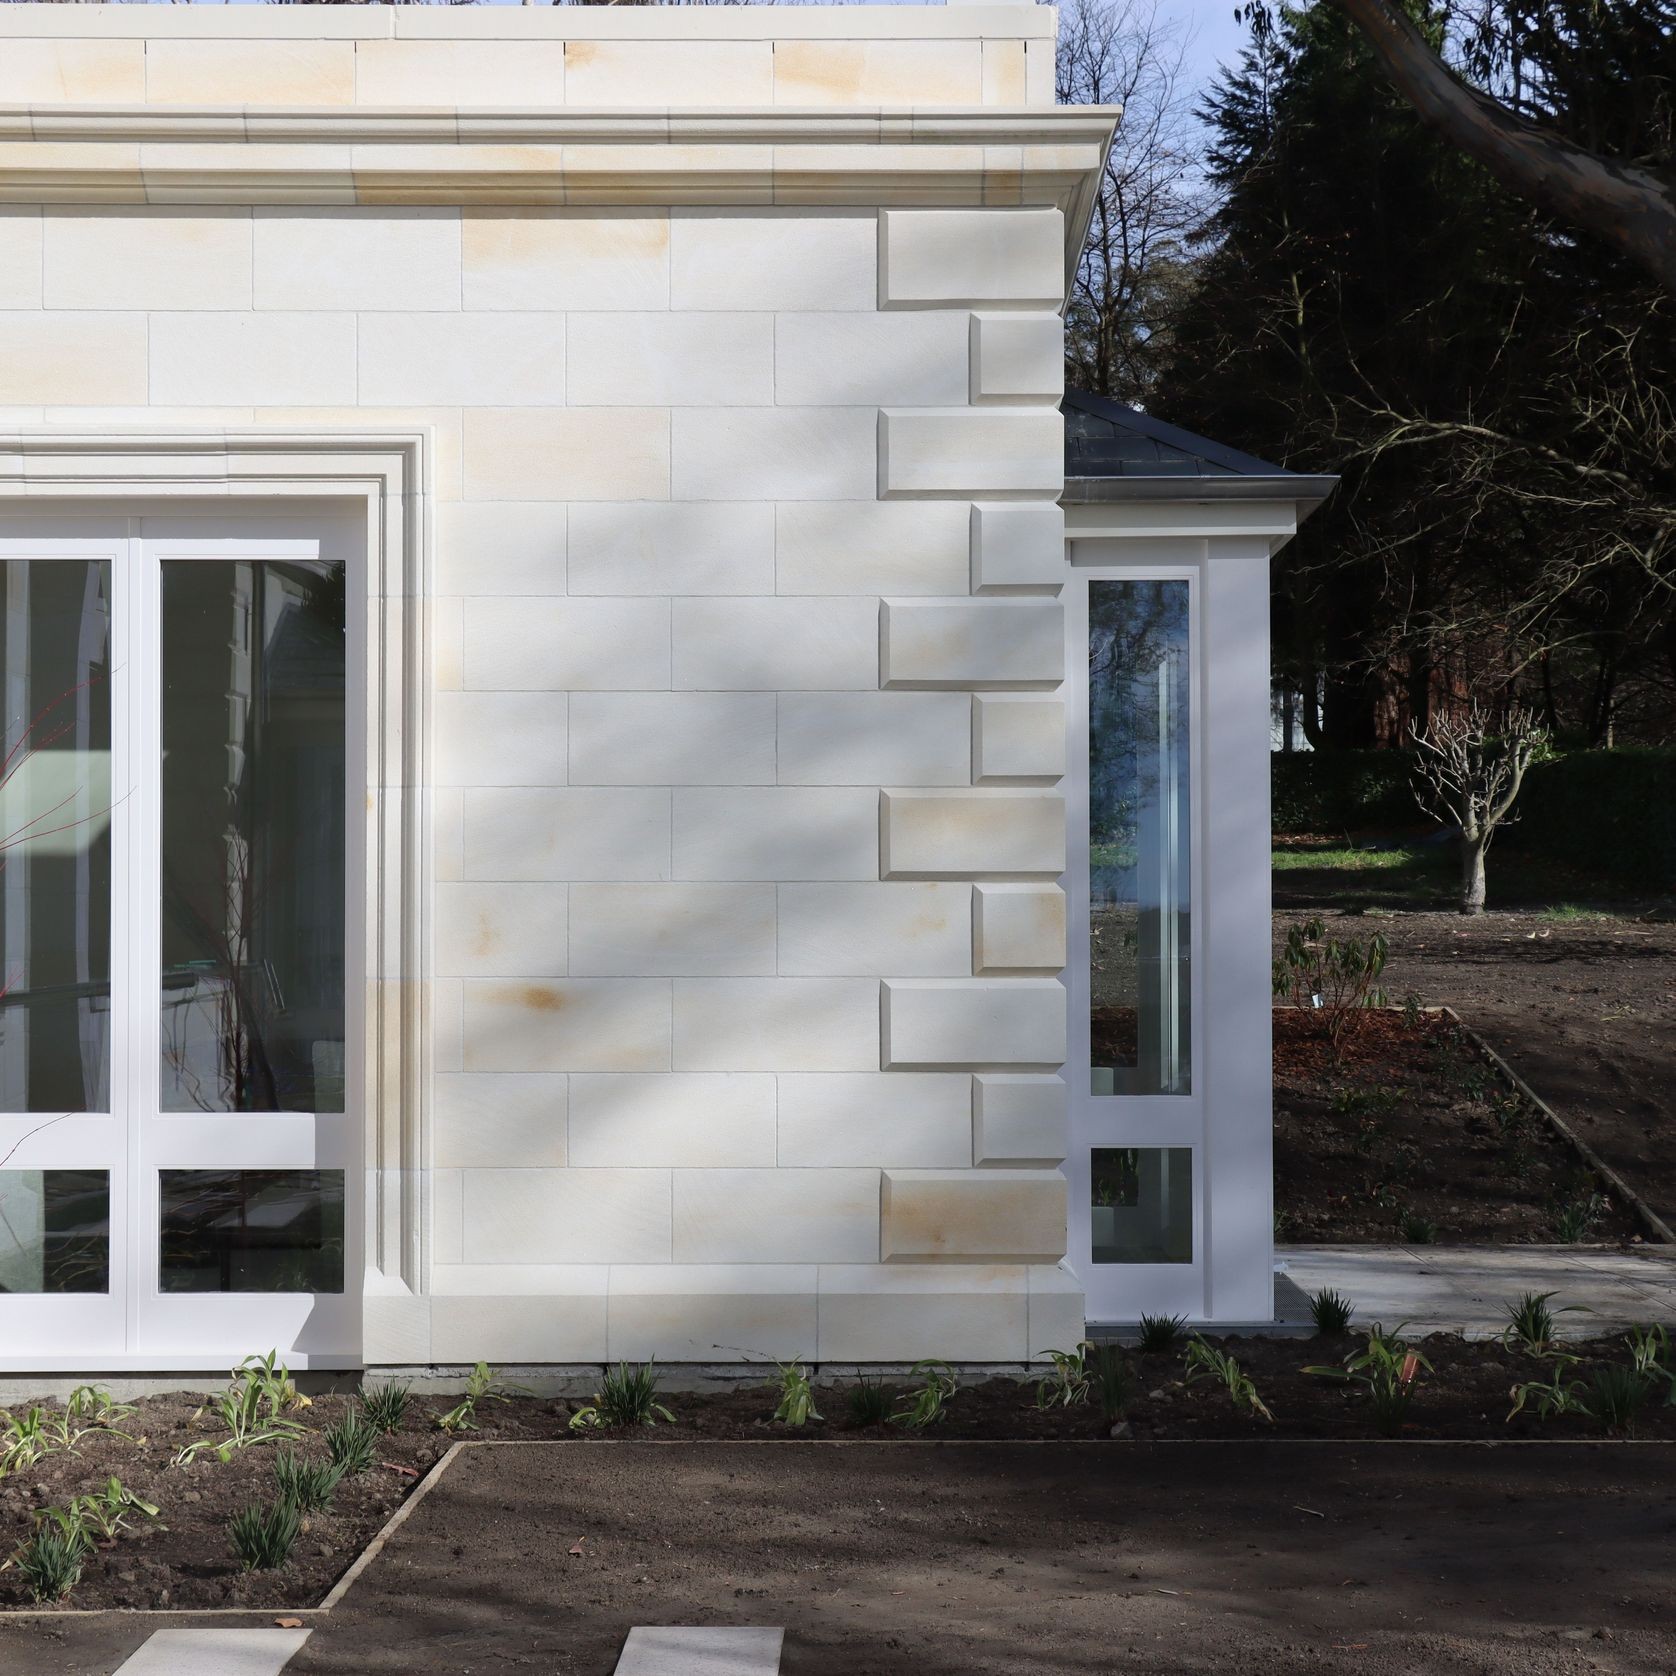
(1406, 1132)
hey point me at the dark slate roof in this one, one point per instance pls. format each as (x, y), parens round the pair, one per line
(1113, 452)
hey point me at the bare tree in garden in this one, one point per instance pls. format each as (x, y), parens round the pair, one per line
(1135, 265)
(1467, 774)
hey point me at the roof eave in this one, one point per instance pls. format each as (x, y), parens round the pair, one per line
(1305, 492)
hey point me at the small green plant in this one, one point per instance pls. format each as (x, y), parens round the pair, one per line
(27, 1438)
(1109, 1378)
(252, 1410)
(107, 1513)
(263, 1537)
(1418, 1229)
(307, 1485)
(1389, 1370)
(50, 1563)
(92, 1408)
(1549, 1398)
(1160, 1334)
(797, 1397)
(1615, 1396)
(1067, 1385)
(1577, 1220)
(483, 1385)
(1333, 980)
(1204, 1361)
(1650, 1355)
(922, 1405)
(1531, 1324)
(1331, 1312)
(868, 1402)
(351, 1443)
(385, 1406)
(1365, 1102)
(627, 1396)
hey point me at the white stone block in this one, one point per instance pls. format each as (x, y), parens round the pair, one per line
(874, 739)
(72, 359)
(1017, 736)
(776, 1216)
(917, 358)
(447, 822)
(1003, 73)
(939, 257)
(684, 72)
(672, 930)
(918, 1120)
(673, 547)
(1018, 546)
(499, 930)
(1019, 1119)
(574, 645)
(124, 256)
(954, 834)
(567, 1216)
(975, 1021)
(87, 72)
(772, 259)
(688, 1122)
(703, 1312)
(875, 930)
(991, 450)
(568, 1327)
(249, 72)
(574, 454)
(671, 360)
(502, 547)
(773, 453)
(776, 645)
(447, 1215)
(462, 360)
(901, 1312)
(20, 254)
(1017, 357)
(776, 832)
(972, 643)
(447, 1023)
(1018, 928)
(671, 739)
(365, 259)
(485, 1120)
(498, 739)
(1057, 1315)
(581, 834)
(872, 547)
(566, 258)
(482, 73)
(232, 360)
(1004, 1215)
(877, 72)
(577, 1024)
(776, 1024)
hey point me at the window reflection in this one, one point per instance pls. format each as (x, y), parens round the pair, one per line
(253, 836)
(1138, 836)
(252, 1231)
(55, 1231)
(1141, 1208)
(55, 838)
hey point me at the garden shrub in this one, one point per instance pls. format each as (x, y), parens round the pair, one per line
(1611, 812)
(1327, 792)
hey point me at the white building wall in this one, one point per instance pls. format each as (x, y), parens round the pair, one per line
(745, 737)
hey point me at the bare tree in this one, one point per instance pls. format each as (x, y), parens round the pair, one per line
(1135, 264)
(1468, 774)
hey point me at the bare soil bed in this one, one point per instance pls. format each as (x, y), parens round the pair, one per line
(1408, 1133)
(184, 1559)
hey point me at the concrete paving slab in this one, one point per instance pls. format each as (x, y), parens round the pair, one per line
(691, 1650)
(215, 1652)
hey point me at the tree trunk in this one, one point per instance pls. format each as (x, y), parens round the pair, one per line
(1472, 874)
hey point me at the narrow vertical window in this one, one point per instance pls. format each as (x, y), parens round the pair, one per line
(55, 836)
(253, 836)
(1138, 836)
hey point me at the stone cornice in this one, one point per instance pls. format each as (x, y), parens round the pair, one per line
(67, 154)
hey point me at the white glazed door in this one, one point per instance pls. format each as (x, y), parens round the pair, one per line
(174, 912)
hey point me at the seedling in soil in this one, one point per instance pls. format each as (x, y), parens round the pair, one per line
(627, 1396)
(797, 1397)
(1160, 1334)
(307, 1485)
(923, 1405)
(868, 1402)
(1067, 1385)
(351, 1443)
(105, 1514)
(1418, 1229)
(1331, 1312)
(263, 1537)
(251, 1410)
(1531, 1325)
(483, 1385)
(1204, 1361)
(1388, 1370)
(1109, 1377)
(50, 1563)
(385, 1406)
(1615, 1396)
(1577, 1220)
(1650, 1355)
(1333, 980)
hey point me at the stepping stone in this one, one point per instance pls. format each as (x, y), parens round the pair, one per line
(687, 1650)
(218, 1652)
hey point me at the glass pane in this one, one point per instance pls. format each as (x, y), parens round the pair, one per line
(1141, 1208)
(252, 1231)
(1138, 825)
(253, 836)
(55, 1231)
(55, 836)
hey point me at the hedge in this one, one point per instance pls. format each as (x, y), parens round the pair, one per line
(1341, 791)
(1611, 812)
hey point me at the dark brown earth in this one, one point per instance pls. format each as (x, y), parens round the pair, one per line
(1583, 1009)
(1012, 1560)
(1407, 1132)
